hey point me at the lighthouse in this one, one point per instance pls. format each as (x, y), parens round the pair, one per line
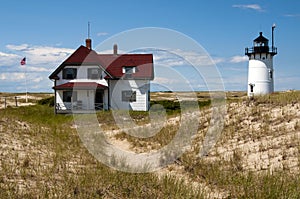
(260, 67)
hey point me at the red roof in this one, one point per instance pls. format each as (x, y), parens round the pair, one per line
(79, 86)
(82, 55)
(113, 64)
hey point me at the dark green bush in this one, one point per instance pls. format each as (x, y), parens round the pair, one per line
(175, 106)
(47, 101)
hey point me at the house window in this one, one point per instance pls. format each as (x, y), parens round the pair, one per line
(68, 95)
(129, 70)
(69, 73)
(94, 73)
(129, 96)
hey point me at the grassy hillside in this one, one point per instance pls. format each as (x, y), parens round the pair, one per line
(257, 155)
(43, 157)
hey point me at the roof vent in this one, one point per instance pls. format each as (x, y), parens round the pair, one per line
(115, 49)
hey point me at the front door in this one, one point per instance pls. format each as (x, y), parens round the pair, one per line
(99, 100)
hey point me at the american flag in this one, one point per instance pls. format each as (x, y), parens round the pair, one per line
(23, 61)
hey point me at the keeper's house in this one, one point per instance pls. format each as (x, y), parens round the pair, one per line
(87, 81)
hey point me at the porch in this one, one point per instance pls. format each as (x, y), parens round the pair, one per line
(77, 107)
(80, 97)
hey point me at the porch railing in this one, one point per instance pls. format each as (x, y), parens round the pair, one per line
(99, 106)
(77, 106)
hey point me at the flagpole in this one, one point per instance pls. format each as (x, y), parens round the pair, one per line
(23, 62)
(26, 84)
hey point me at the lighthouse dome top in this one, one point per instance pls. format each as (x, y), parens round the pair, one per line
(260, 39)
(261, 45)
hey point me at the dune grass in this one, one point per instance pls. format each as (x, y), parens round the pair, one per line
(42, 156)
(49, 161)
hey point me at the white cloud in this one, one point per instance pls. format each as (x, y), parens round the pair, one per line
(38, 79)
(177, 57)
(255, 7)
(169, 60)
(165, 80)
(99, 34)
(218, 60)
(183, 58)
(12, 76)
(292, 15)
(41, 54)
(34, 69)
(196, 58)
(40, 62)
(173, 57)
(238, 59)
(21, 81)
(17, 47)
(6, 55)
(7, 59)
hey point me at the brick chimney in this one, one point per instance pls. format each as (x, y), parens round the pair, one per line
(88, 43)
(115, 49)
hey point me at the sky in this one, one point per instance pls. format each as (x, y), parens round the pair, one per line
(47, 32)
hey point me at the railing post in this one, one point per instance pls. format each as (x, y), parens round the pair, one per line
(72, 104)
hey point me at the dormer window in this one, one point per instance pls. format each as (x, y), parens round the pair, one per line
(128, 71)
(69, 73)
(94, 73)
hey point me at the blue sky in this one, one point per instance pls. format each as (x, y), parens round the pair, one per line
(46, 32)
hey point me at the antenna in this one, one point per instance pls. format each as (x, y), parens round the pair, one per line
(88, 41)
(89, 29)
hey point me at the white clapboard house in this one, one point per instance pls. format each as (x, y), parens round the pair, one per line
(87, 81)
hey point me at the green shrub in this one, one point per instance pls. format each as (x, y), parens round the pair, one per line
(175, 106)
(47, 101)
(167, 104)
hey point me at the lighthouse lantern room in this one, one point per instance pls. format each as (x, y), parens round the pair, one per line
(260, 67)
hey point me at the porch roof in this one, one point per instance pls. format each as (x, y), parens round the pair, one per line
(80, 86)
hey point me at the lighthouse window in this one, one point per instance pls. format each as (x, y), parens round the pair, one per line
(271, 74)
(251, 88)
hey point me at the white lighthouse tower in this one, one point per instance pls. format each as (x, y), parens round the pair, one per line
(260, 68)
